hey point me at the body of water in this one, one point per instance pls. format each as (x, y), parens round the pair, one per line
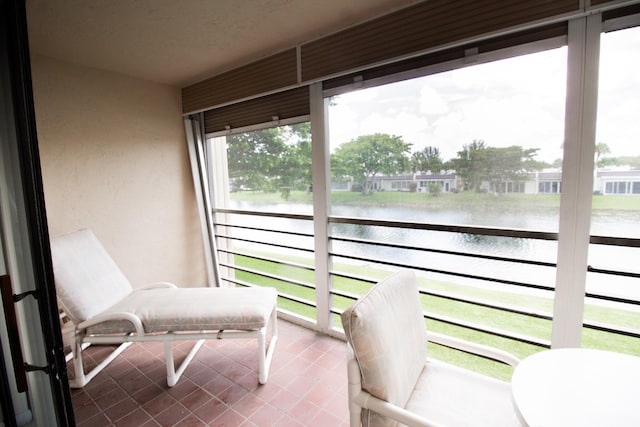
(624, 223)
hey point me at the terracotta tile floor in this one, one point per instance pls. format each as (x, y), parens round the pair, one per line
(307, 385)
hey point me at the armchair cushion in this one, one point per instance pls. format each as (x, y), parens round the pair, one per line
(456, 397)
(386, 331)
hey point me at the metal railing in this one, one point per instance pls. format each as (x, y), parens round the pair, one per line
(237, 237)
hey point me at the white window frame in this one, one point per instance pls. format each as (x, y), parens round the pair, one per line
(583, 42)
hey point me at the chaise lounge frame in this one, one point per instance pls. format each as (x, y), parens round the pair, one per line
(113, 326)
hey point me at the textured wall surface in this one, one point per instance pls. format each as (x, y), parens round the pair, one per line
(114, 159)
(182, 42)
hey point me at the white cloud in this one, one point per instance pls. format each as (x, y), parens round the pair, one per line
(619, 96)
(431, 102)
(516, 101)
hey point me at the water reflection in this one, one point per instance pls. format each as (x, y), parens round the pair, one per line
(496, 243)
(518, 248)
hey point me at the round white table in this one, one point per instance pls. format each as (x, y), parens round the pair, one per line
(577, 387)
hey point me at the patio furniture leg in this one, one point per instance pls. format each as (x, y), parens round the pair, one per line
(81, 379)
(173, 375)
(265, 355)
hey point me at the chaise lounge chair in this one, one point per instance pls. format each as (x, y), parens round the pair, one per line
(105, 309)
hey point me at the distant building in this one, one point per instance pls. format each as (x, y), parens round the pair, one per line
(617, 181)
(549, 181)
(419, 182)
(544, 182)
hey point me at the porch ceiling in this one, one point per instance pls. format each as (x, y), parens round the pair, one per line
(181, 42)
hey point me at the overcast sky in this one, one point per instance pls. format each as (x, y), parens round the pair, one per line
(517, 101)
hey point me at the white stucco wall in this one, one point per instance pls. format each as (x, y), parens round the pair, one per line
(114, 159)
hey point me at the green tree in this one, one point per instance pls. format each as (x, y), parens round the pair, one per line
(253, 158)
(274, 159)
(632, 161)
(435, 189)
(471, 164)
(427, 159)
(478, 162)
(295, 171)
(369, 155)
(601, 158)
(509, 164)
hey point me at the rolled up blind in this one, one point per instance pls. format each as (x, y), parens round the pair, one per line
(283, 105)
(263, 76)
(388, 39)
(618, 13)
(421, 27)
(458, 52)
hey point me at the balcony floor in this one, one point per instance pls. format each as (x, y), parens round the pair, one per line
(307, 385)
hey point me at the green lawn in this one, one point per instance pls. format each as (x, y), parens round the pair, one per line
(498, 319)
(515, 323)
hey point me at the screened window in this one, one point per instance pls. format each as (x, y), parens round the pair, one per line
(265, 169)
(616, 202)
(490, 128)
(452, 168)
(445, 153)
(262, 197)
(617, 155)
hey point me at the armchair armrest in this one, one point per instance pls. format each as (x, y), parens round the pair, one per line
(474, 348)
(359, 398)
(390, 410)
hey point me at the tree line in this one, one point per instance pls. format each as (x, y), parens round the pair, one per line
(380, 154)
(279, 160)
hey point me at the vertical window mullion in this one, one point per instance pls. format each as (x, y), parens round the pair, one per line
(577, 180)
(321, 194)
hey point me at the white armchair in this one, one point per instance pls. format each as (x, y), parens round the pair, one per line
(391, 381)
